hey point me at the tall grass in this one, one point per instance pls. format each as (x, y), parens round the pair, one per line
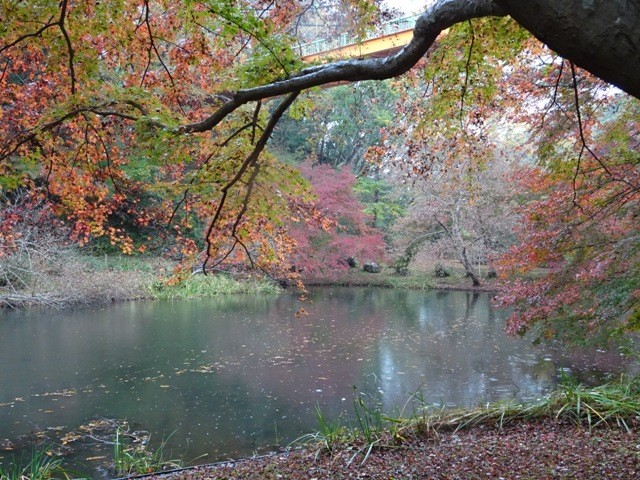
(614, 405)
(40, 466)
(210, 285)
(128, 459)
(328, 436)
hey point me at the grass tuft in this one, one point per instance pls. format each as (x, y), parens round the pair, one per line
(328, 436)
(42, 465)
(198, 286)
(128, 459)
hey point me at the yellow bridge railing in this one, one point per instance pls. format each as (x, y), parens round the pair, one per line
(395, 34)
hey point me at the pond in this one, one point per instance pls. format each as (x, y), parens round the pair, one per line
(230, 376)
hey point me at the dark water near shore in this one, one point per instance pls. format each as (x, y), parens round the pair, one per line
(229, 376)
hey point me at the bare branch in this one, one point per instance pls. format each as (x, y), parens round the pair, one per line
(554, 99)
(584, 145)
(466, 72)
(154, 47)
(250, 161)
(67, 39)
(260, 40)
(22, 38)
(583, 140)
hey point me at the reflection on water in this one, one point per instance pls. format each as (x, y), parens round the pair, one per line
(224, 376)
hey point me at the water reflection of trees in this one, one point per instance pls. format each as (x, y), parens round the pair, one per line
(227, 369)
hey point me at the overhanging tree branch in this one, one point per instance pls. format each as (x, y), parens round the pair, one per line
(601, 37)
(249, 162)
(429, 25)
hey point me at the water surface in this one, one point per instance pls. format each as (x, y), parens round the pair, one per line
(229, 376)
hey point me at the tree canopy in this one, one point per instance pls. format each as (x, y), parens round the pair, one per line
(155, 113)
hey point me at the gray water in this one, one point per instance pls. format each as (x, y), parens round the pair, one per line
(229, 376)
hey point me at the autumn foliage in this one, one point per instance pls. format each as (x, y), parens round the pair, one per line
(102, 107)
(90, 95)
(325, 249)
(577, 263)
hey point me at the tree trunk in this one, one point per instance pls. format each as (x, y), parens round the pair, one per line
(601, 36)
(468, 267)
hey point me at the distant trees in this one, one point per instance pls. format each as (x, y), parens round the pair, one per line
(463, 210)
(346, 234)
(338, 126)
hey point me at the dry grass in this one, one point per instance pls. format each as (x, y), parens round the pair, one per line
(66, 279)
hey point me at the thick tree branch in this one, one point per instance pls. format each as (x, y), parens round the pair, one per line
(601, 36)
(430, 24)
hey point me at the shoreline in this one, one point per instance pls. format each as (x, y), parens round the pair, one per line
(574, 432)
(98, 282)
(523, 450)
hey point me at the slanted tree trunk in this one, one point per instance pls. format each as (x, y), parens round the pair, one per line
(468, 267)
(459, 245)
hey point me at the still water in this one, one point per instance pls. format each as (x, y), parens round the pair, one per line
(230, 376)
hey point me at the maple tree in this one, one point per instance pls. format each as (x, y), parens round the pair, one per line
(93, 94)
(325, 249)
(580, 223)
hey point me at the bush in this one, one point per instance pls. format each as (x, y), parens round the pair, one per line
(441, 271)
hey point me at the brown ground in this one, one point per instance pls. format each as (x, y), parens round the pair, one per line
(525, 450)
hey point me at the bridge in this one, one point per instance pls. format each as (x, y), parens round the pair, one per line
(395, 34)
